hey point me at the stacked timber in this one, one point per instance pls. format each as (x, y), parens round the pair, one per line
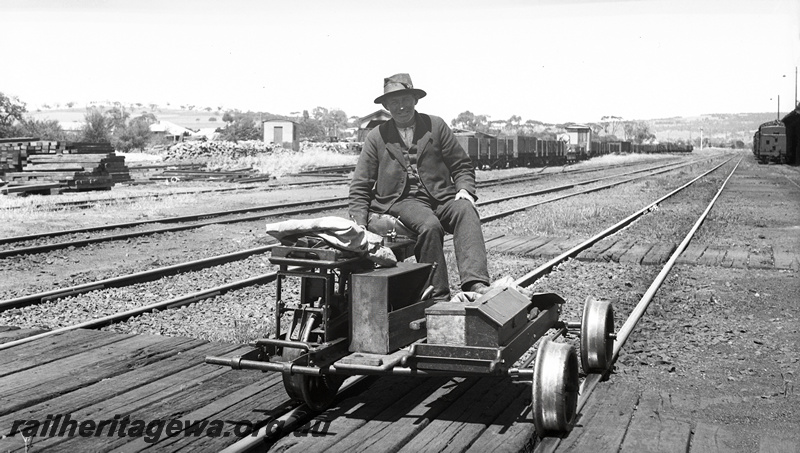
(75, 165)
(199, 151)
(14, 151)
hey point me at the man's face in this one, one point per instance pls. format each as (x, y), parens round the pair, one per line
(401, 106)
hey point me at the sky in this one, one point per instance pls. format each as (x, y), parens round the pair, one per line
(548, 60)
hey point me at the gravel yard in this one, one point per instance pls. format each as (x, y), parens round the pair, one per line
(724, 338)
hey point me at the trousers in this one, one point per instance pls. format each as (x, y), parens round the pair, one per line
(431, 220)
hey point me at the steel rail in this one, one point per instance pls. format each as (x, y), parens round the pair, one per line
(177, 219)
(245, 185)
(115, 237)
(286, 423)
(80, 242)
(154, 274)
(550, 444)
(80, 203)
(534, 175)
(545, 268)
(10, 239)
(585, 191)
(179, 301)
(588, 181)
(138, 277)
(486, 183)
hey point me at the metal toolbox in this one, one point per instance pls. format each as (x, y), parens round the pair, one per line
(445, 323)
(495, 317)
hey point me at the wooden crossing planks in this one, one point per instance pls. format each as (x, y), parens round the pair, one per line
(466, 419)
(49, 349)
(533, 244)
(232, 404)
(549, 248)
(61, 376)
(399, 415)
(509, 246)
(627, 251)
(147, 377)
(368, 414)
(594, 252)
(604, 420)
(691, 254)
(125, 393)
(659, 253)
(654, 428)
(713, 438)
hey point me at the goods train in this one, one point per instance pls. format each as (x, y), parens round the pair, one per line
(769, 142)
(523, 151)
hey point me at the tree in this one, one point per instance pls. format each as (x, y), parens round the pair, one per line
(470, 121)
(117, 117)
(610, 124)
(310, 129)
(330, 120)
(638, 131)
(134, 135)
(43, 129)
(97, 127)
(242, 126)
(11, 111)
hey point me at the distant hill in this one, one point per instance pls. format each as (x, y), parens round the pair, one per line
(717, 127)
(722, 128)
(191, 119)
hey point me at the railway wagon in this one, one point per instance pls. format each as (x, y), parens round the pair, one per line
(484, 154)
(502, 154)
(769, 143)
(470, 145)
(532, 156)
(511, 152)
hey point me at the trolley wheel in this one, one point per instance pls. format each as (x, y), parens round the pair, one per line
(319, 391)
(555, 388)
(597, 335)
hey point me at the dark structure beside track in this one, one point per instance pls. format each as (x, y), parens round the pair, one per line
(792, 123)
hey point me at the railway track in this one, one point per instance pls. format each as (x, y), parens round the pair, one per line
(223, 216)
(295, 419)
(273, 434)
(254, 184)
(195, 265)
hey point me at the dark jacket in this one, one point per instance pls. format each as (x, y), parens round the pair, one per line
(380, 176)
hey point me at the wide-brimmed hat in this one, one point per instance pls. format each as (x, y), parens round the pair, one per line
(399, 83)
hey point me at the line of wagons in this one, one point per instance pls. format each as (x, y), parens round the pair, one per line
(769, 143)
(526, 151)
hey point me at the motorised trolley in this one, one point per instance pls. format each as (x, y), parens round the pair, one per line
(337, 315)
